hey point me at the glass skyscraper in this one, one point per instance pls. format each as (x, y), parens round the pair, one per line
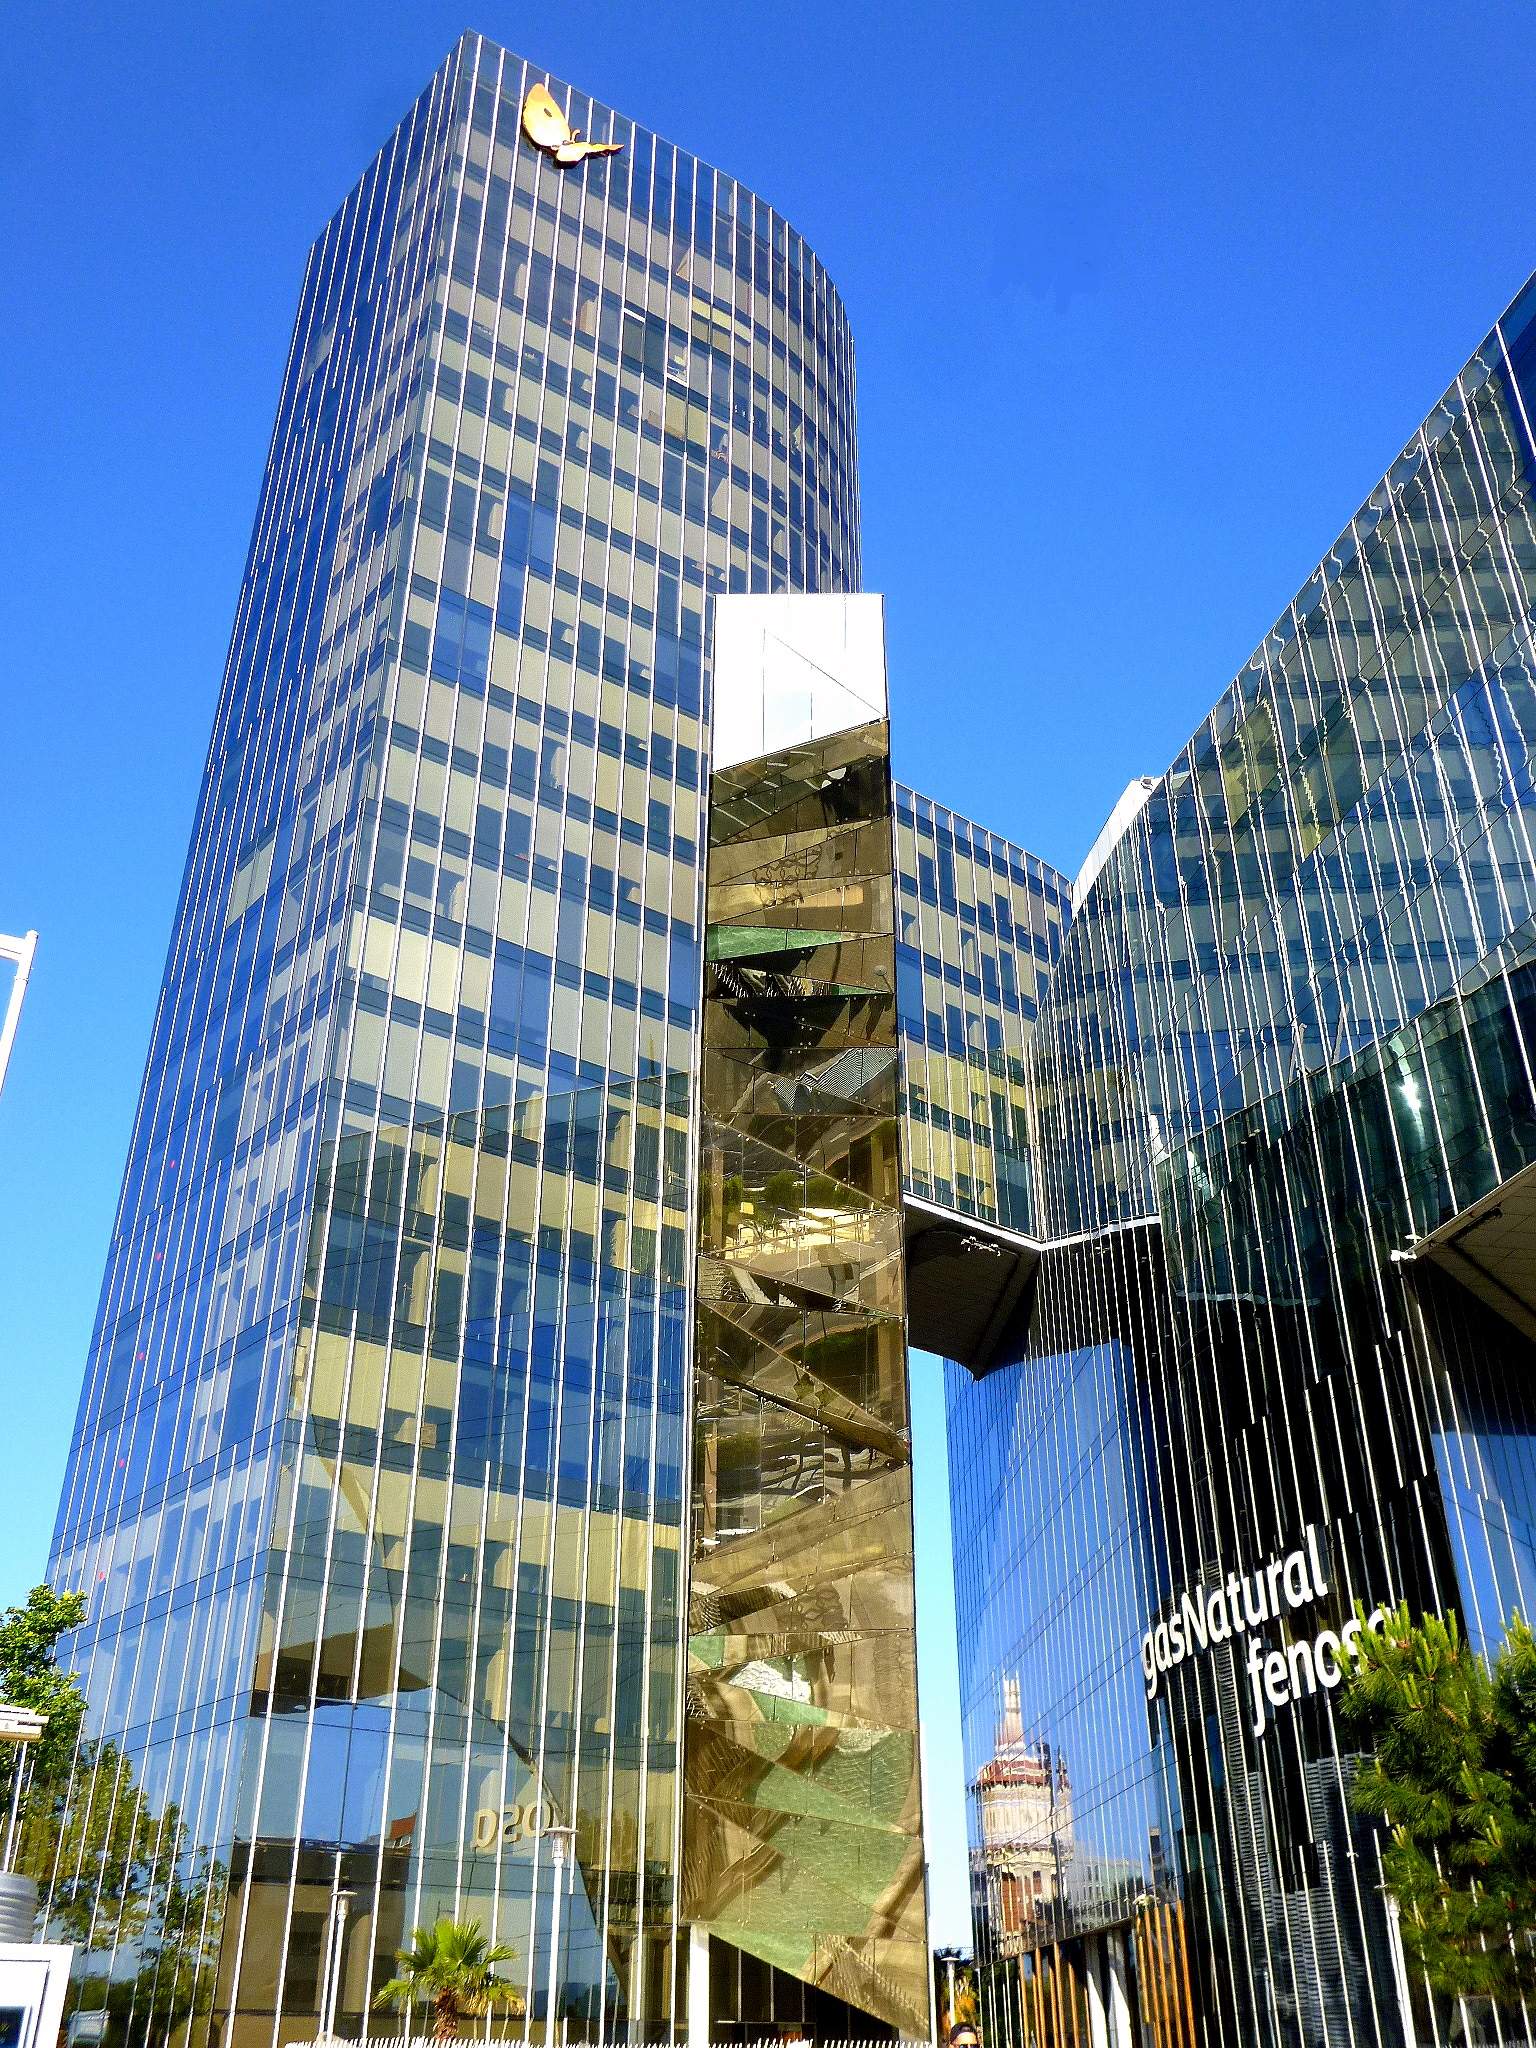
(379, 1483)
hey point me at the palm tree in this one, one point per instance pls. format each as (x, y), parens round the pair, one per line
(450, 1967)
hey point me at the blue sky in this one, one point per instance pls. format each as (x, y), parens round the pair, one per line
(1145, 299)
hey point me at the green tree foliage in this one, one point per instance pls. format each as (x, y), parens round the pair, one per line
(30, 1677)
(118, 1875)
(1453, 1777)
(451, 1967)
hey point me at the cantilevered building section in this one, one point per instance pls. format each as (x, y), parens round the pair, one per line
(979, 928)
(1277, 1358)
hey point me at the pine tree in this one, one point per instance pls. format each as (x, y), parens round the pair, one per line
(1453, 1777)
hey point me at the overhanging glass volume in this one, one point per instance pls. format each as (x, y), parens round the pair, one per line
(1276, 1364)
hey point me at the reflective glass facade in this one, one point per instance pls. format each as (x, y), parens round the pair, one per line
(378, 1484)
(979, 924)
(803, 1836)
(564, 1107)
(1277, 1358)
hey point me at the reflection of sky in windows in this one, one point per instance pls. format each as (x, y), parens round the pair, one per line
(1349, 834)
(1486, 1463)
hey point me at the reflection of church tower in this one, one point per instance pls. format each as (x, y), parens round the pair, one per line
(1025, 1799)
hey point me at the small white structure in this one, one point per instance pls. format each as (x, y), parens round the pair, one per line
(21, 951)
(33, 1977)
(1130, 804)
(793, 668)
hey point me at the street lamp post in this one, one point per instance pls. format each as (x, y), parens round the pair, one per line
(559, 1840)
(330, 1995)
(22, 1729)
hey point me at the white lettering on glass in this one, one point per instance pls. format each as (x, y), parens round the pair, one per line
(1277, 1678)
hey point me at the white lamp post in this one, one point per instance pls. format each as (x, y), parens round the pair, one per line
(559, 1840)
(22, 1728)
(335, 1948)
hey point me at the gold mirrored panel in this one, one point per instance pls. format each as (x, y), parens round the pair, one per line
(803, 1842)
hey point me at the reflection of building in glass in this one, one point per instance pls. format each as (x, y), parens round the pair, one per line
(1024, 1800)
(1275, 1357)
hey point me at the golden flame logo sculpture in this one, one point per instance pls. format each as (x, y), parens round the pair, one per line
(548, 129)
